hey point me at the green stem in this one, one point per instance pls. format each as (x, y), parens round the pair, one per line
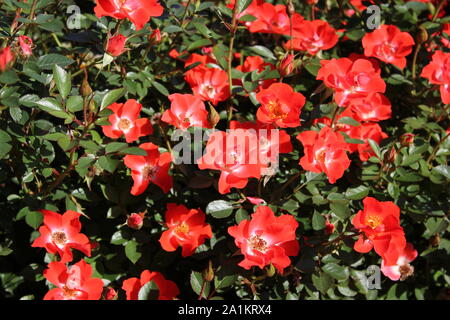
(230, 58)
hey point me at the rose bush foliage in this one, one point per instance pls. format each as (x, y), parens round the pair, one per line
(94, 205)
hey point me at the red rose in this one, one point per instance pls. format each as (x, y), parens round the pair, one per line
(388, 44)
(26, 46)
(438, 72)
(168, 290)
(350, 79)
(266, 239)
(73, 283)
(124, 121)
(152, 168)
(116, 45)
(60, 233)
(253, 63)
(209, 84)
(380, 224)
(372, 107)
(235, 154)
(325, 151)
(186, 228)
(365, 131)
(137, 11)
(280, 105)
(313, 36)
(6, 58)
(401, 269)
(136, 220)
(186, 110)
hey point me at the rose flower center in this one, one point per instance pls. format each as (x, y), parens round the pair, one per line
(406, 271)
(148, 171)
(373, 221)
(276, 110)
(257, 243)
(124, 124)
(182, 228)
(59, 237)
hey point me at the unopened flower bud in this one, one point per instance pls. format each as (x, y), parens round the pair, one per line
(406, 139)
(287, 65)
(110, 294)
(116, 45)
(270, 271)
(422, 35)
(155, 36)
(208, 273)
(135, 221)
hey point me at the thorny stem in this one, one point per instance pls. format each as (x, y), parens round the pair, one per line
(436, 148)
(414, 63)
(32, 14)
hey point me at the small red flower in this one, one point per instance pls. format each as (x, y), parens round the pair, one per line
(235, 154)
(350, 79)
(266, 239)
(253, 63)
(438, 72)
(111, 294)
(373, 107)
(186, 228)
(124, 121)
(280, 105)
(402, 268)
(156, 36)
(116, 45)
(6, 58)
(202, 61)
(186, 110)
(312, 36)
(73, 283)
(137, 11)
(168, 290)
(325, 151)
(388, 44)
(210, 84)
(365, 131)
(407, 139)
(329, 227)
(380, 224)
(26, 46)
(287, 65)
(60, 233)
(152, 168)
(136, 220)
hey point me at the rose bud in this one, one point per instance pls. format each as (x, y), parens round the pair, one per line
(329, 227)
(287, 65)
(208, 273)
(26, 46)
(6, 58)
(110, 294)
(135, 220)
(406, 139)
(116, 45)
(155, 37)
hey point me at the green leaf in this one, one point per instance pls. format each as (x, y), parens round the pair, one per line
(336, 271)
(197, 283)
(62, 80)
(357, 193)
(47, 61)
(108, 163)
(349, 121)
(263, 51)
(318, 221)
(111, 97)
(131, 251)
(375, 148)
(341, 210)
(322, 282)
(34, 219)
(49, 105)
(149, 291)
(443, 170)
(225, 281)
(242, 5)
(135, 151)
(74, 103)
(219, 209)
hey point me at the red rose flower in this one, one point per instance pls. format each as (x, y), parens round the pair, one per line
(366, 131)
(202, 59)
(186, 110)
(154, 168)
(210, 84)
(235, 154)
(280, 105)
(287, 65)
(312, 36)
(26, 46)
(373, 107)
(136, 220)
(168, 290)
(73, 283)
(388, 44)
(137, 11)
(186, 228)
(6, 58)
(438, 72)
(325, 151)
(266, 239)
(124, 121)
(350, 79)
(60, 233)
(380, 224)
(401, 269)
(116, 45)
